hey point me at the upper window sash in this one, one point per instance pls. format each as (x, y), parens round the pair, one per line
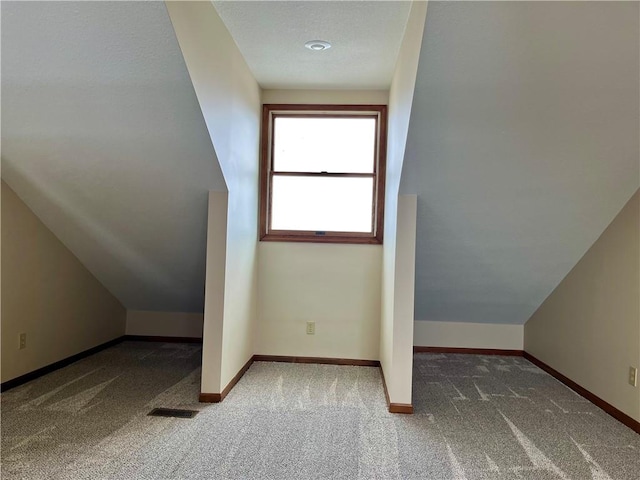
(300, 143)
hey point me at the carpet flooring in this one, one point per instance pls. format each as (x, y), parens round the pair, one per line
(476, 417)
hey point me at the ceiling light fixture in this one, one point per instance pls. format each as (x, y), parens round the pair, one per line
(317, 45)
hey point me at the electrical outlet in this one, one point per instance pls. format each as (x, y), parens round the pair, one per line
(23, 341)
(633, 376)
(311, 328)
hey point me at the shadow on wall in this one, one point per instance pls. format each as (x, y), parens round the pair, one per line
(118, 247)
(440, 296)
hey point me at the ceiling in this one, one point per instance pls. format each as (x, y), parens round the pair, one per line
(365, 38)
(523, 145)
(103, 138)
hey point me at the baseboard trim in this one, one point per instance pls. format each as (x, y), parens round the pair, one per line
(317, 360)
(210, 397)
(597, 401)
(27, 377)
(218, 397)
(237, 378)
(384, 386)
(472, 351)
(405, 408)
(155, 338)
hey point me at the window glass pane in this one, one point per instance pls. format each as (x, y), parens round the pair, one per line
(327, 204)
(338, 145)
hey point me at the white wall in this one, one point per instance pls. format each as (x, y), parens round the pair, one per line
(331, 97)
(336, 286)
(214, 294)
(396, 333)
(47, 294)
(241, 273)
(588, 329)
(229, 98)
(468, 335)
(164, 324)
(399, 383)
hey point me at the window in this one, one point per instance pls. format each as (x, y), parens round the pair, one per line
(322, 173)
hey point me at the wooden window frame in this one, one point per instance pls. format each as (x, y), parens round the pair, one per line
(269, 113)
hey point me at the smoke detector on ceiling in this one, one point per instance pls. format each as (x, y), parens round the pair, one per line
(317, 45)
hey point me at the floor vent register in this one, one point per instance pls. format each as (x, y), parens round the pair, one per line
(172, 412)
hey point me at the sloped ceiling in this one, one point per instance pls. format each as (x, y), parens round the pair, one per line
(103, 138)
(365, 38)
(523, 145)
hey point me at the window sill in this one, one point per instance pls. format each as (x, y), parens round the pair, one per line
(321, 239)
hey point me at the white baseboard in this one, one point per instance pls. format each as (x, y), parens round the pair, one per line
(164, 324)
(468, 335)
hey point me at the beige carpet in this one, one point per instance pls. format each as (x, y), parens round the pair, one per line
(477, 417)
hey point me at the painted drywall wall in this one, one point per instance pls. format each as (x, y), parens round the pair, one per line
(335, 286)
(523, 145)
(241, 273)
(469, 335)
(399, 385)
(331, 97)
(164, 324)
(1, 347)
(47, 294)
(214, 294)
(229, 98)
(394, 332)
(588, 329)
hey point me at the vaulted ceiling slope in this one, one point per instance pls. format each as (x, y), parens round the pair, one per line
(523, 146)
(103, 138)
